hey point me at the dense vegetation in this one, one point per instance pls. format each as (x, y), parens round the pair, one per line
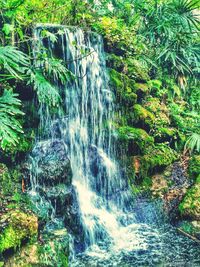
(153, 52)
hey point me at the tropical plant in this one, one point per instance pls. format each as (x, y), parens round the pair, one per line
(46, 92)
(13, 62)
(193, 143)
(171, 29)
(10, 127)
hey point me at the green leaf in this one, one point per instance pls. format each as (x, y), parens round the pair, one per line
(8, 28)
(10, 127)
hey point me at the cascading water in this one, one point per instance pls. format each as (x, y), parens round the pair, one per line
(109, 226)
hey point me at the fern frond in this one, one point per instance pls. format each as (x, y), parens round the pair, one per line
(46, 92)
(56, 69)
(13, 61)
(10, 127)
(193, 142)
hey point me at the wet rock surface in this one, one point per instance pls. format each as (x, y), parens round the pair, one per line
(52, 192)
(171, 186)
(52, 162)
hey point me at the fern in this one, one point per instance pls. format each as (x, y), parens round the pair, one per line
(46, 92)
(10, 127)
(54, 68)
(193, 142)
(13, 61)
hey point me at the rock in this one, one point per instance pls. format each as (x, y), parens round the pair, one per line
(159, 185)
(19, 226)
(51, 163)
(53, 252)
(172, 199)
(60, 196)
(72, 218)
(190, 206)
(194, 166)
(192, 228)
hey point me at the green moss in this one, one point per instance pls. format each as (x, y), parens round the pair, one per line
(141, 88)
(9, 179)
(139, 136)
(6, 184)
(159, 110)
(20, 226)
(190, 206)
(156, 157)
(136, 70)
(121, 81)
(142, 114)
(165, 134)
(115, 62)
(146, 183)
(123, 88)
(170, 132)
(192, 228)
(55, 251)
(130, 98)
(194, 166)
(116, 79)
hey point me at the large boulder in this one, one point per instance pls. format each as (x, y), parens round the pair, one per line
(51, 163)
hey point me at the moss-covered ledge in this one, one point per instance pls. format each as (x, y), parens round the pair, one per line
(190, 206)
(155, 158)
(15, 227)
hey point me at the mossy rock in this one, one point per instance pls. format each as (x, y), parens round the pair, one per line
(194, 166)
(115, 62)
(159, 185)
(163, 134)
(53, 251)
(155, 158)
(136, 71)
(130, 98)
(190, 206)
(123, 88)
(137, 135)
(143, 115)
(191, 228)
(9, 179)
(141, 89)
(160, 111)
(121, 82)
(169, 132)
(5, 179)
(19, 226)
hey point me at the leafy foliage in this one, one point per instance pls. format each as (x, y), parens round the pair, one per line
(46, 92)
(170, 27)
(10, 127)
(193, 142)
(13, 61)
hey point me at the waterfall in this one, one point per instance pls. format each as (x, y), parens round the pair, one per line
(73, 164)
(86, 131)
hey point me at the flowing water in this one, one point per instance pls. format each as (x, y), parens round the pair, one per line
(118, 229)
